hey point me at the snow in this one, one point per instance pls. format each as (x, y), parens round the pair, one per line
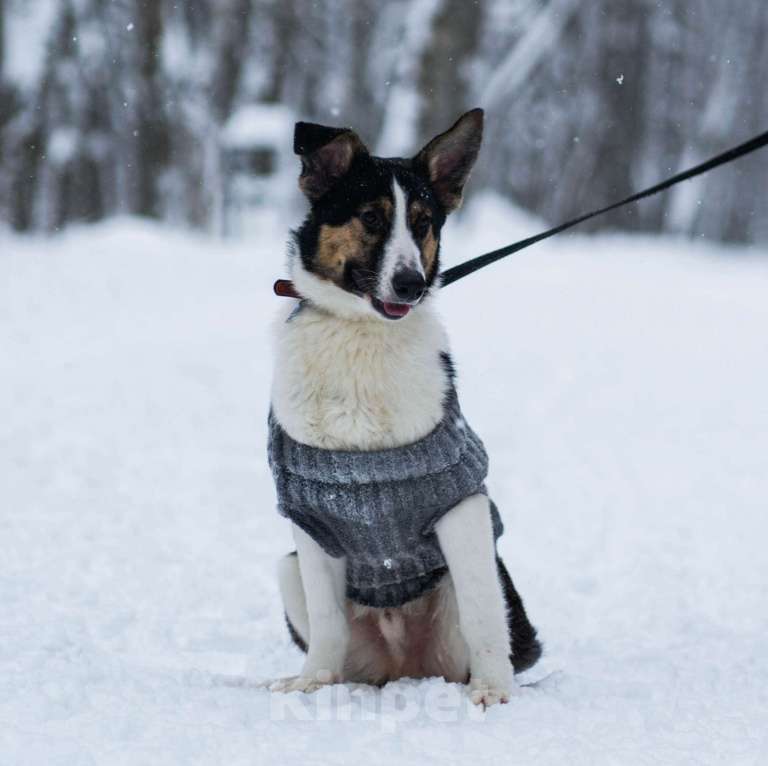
(541, 36)
(619, 384)
(62, 145)
(406, 37)
(255, 125)
(28, 26)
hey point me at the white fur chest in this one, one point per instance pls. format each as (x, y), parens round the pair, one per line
(358, 384)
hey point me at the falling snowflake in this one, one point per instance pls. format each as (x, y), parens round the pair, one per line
(130, 27)
(620, 79)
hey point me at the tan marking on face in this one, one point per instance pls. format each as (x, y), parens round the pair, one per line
(429, 252)
(418, 208)
(337, 245)
(352, 242)
(428, 245)
(382, 205)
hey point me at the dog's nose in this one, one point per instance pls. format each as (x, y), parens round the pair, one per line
(408, 285)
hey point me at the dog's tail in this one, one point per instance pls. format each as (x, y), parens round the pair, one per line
(526, 648)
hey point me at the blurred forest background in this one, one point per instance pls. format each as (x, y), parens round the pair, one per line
(155, 107)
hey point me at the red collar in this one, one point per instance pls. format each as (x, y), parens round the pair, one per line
(285, 289)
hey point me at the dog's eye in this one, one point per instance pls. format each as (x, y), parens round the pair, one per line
(421, 226)
(371, 219)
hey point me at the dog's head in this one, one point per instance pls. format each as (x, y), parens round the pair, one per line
(370, 245)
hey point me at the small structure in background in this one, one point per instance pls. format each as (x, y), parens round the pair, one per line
(257, 165)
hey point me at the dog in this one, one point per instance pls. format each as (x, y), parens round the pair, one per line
(395, 572)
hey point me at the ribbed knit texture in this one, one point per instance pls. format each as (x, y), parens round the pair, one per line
(379, 508)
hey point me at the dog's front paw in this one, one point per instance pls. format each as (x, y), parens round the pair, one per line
(303, 683)
(486, 690)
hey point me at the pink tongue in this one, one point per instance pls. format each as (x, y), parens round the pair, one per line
(396, 309)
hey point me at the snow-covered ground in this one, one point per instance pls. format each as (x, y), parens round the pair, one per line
(621, 386)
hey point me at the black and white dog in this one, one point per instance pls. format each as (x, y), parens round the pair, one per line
(364, 366)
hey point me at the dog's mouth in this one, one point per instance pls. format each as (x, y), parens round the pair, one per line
(391, 310)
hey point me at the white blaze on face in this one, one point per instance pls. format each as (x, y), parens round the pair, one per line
(401, 251)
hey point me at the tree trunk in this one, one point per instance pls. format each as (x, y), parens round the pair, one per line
(152, 139)
(2, 43)
(230, 55)
(443, 75)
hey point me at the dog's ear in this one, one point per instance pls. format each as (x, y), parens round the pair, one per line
(447, 160)
(326, 156)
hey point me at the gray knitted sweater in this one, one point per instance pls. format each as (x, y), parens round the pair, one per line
(379, 508)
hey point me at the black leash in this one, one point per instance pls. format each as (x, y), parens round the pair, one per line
(472, 265)
(285, 287)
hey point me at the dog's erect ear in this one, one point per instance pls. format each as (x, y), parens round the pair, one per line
(447, 160)
(326, 156)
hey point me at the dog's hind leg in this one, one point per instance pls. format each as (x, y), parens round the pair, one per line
(323, 578)
(294, 600)
(368, 660)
